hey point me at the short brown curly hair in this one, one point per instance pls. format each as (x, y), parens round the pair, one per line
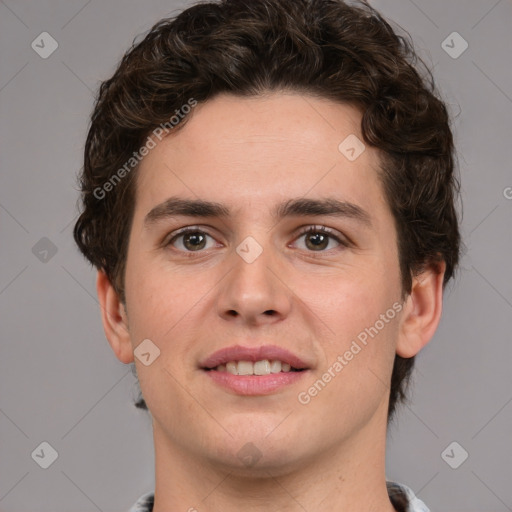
(327, 48)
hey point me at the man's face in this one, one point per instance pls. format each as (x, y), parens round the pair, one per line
(309, 294)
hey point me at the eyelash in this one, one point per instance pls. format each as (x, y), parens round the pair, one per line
(310, 229)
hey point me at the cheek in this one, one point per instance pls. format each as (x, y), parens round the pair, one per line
(354, 381)
(352, 301)
(156, 297)
(150, 307)
(358, 321)
(161, 309)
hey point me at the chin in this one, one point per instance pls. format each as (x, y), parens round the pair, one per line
(260, 456)
(265, 465)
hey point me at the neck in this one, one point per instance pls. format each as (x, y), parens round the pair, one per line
(348, 477)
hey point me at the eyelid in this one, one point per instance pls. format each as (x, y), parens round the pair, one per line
(319, 228)
(168, 239)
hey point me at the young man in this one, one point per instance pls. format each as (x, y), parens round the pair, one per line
(268, 196)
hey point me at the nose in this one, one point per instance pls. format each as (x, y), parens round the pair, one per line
(254, 292)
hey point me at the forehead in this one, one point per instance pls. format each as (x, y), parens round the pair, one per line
(250, 151)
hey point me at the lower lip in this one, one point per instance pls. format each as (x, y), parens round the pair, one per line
(251, 385)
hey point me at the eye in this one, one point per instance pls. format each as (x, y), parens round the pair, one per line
(190, 240)
(317, 238)
(193, 239)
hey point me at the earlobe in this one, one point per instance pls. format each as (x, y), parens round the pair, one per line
(422, 311)
(113, 316)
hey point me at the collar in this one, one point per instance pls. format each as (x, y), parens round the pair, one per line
(401, 497)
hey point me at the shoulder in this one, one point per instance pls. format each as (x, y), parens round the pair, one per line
(401, 496)
(404, 499)
(144, 503)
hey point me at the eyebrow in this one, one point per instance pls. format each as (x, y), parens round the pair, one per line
(299, 207)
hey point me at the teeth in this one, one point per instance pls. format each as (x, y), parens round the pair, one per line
(275, 366)
(231, 367)
(263, 367)
(245, 368)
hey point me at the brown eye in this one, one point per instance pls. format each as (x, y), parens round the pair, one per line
(194, 241)
(190, 240)
(317, 239)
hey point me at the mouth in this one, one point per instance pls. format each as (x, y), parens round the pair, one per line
(254, 371)
(262, 360)
(262, 367)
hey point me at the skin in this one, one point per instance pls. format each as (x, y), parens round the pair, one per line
(250, 154)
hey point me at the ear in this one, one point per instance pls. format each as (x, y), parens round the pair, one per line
(114, 318)
(422, 311)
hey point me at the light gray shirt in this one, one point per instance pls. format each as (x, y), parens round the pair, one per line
(401, 497)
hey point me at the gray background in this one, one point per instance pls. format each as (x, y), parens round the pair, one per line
(59, 380)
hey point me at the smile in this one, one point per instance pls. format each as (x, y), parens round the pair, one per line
(263, 367)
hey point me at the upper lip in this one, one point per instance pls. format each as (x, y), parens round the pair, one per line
(240, 353)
